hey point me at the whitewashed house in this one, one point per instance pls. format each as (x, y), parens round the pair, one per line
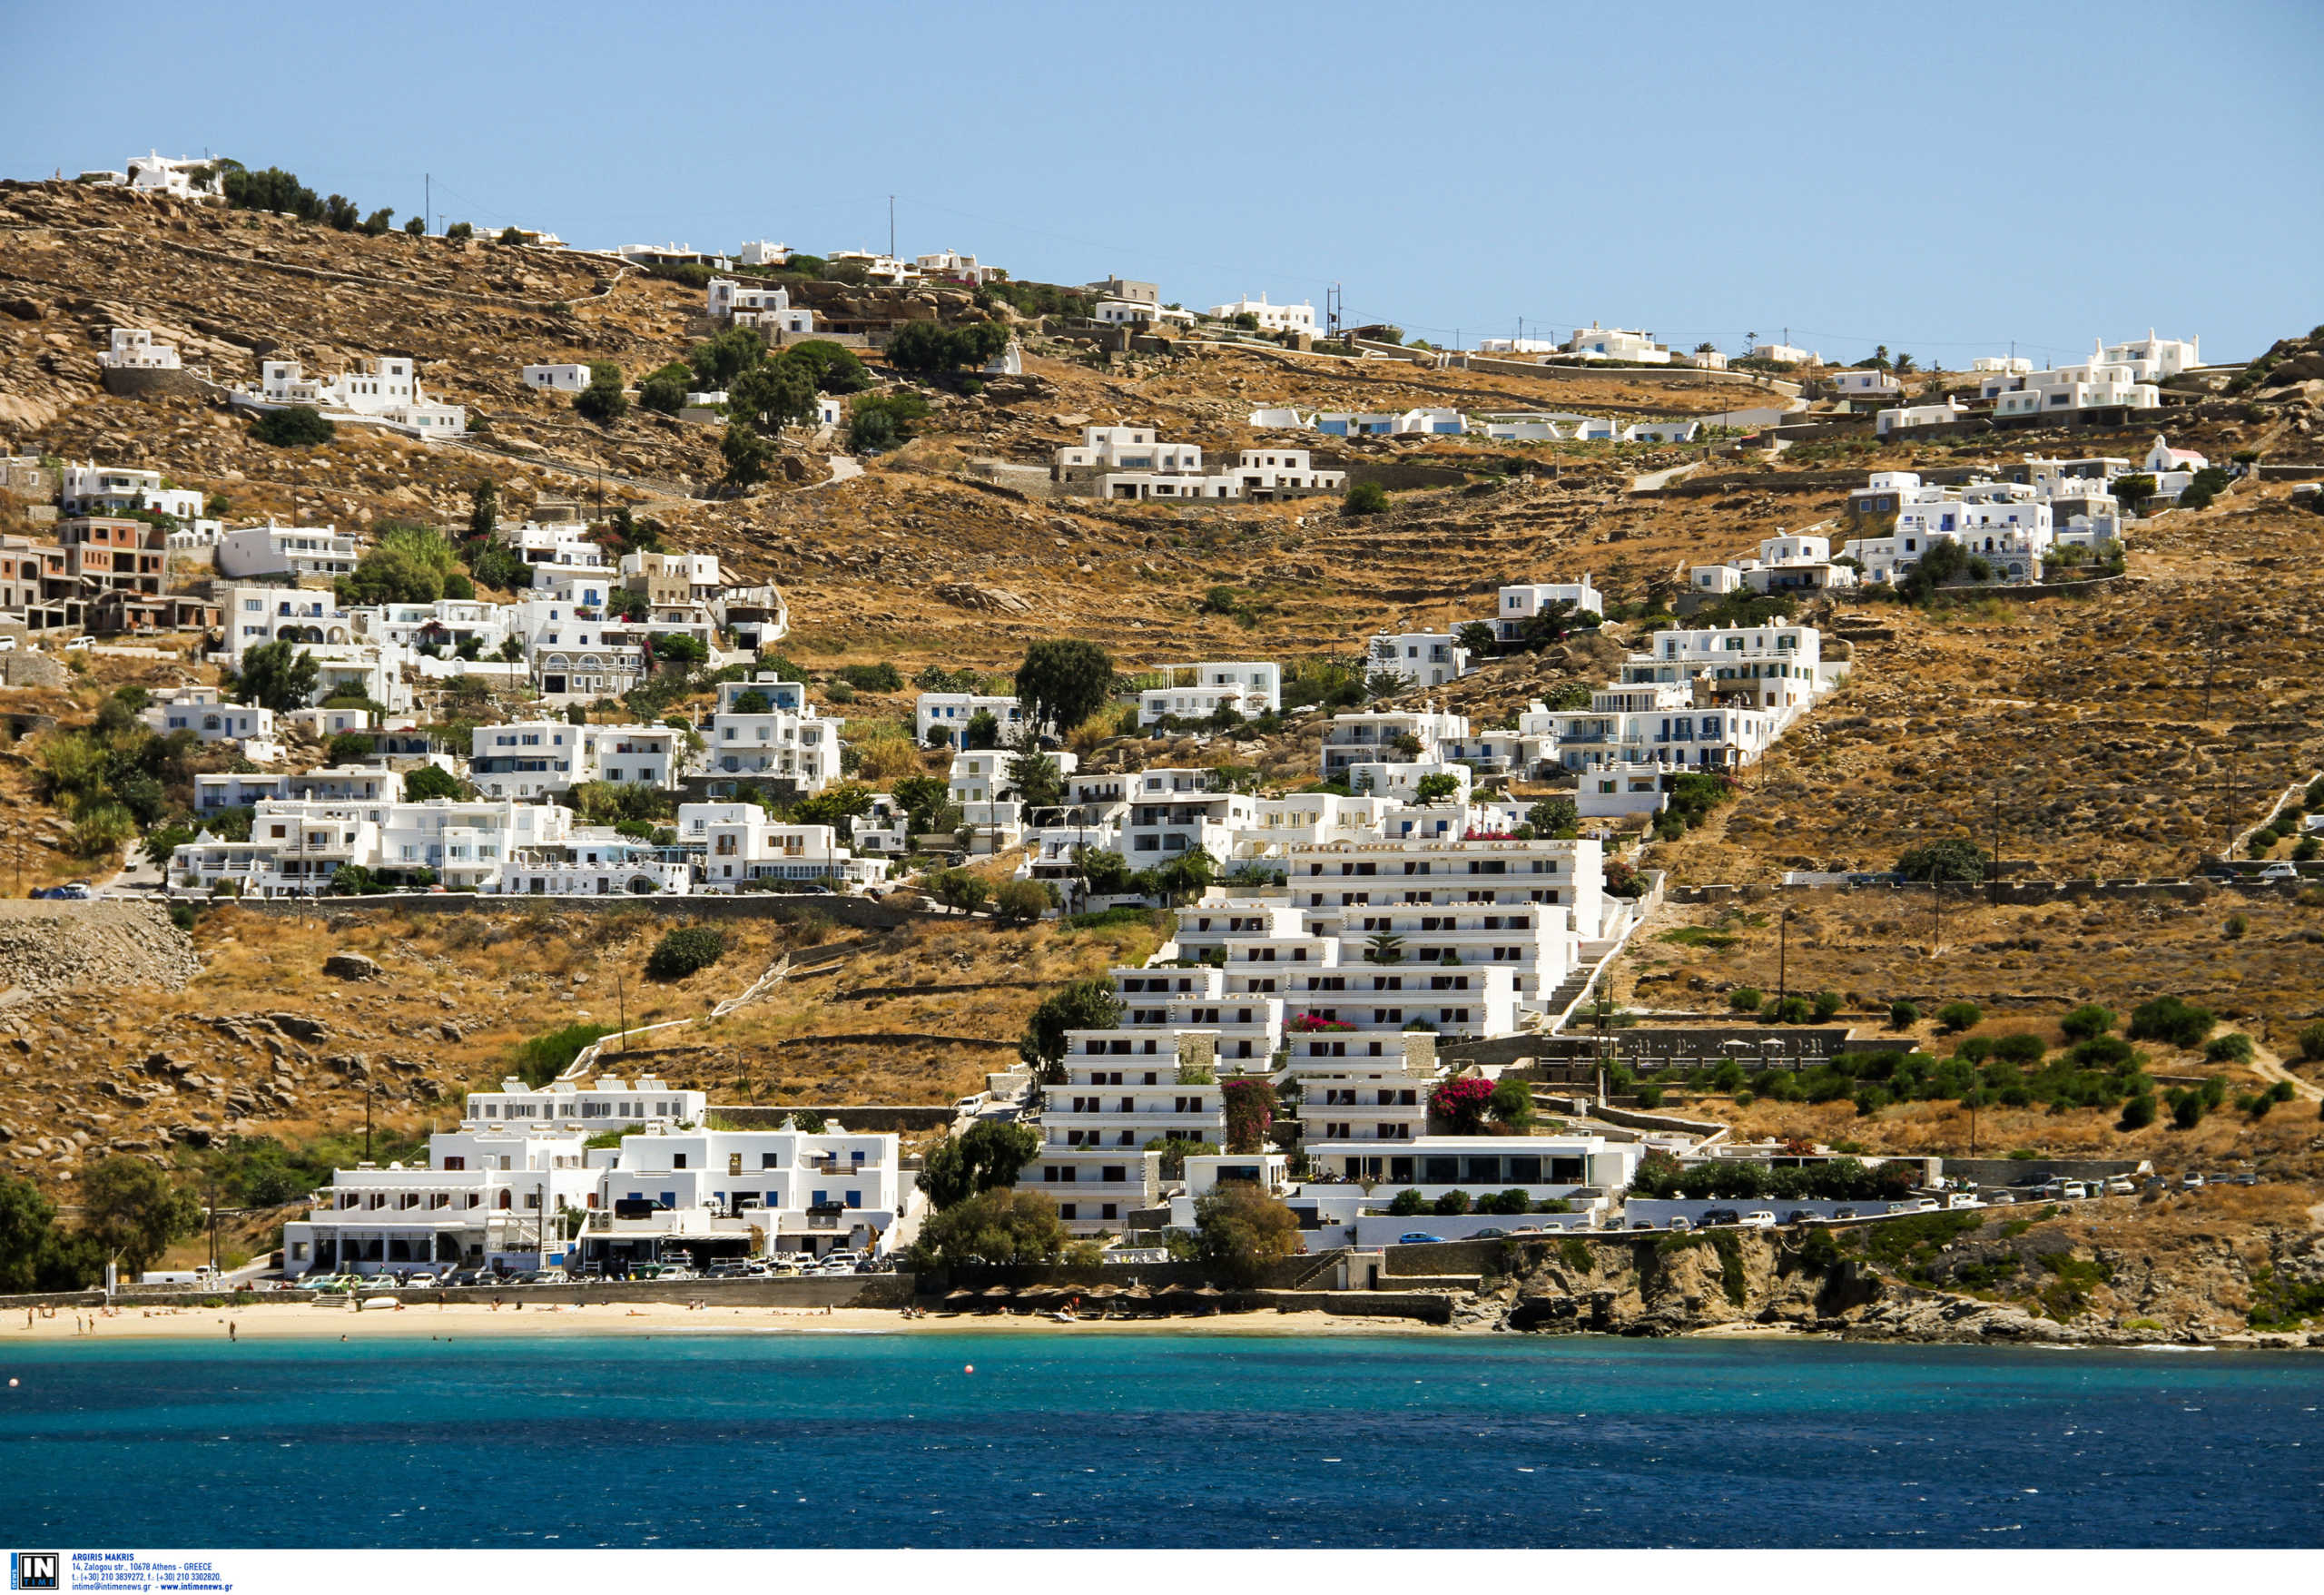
(1874, 383)
(787, 739)
(1594, 343)
(204, 712)
(572, 377)
(2099, 383)
(1904, 417)
(386, 390)
(1250, 687)
(272, 550)
(133, 349)
(1422, 658)
(941, 719)
(1522, 601)
(89, 488)
(1271, 318)
(1664, 432)
(697, 1196)
(736, 845)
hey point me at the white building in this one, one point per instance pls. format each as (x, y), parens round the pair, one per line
(133, 349)
(1874, 383)
(697, 1196)
(1784, 354)
(1250, 687)
(564, 378)
(1271, 318)
(593, 861)
(789, 739)
(89, 488)
(2099, 383)
(202, 181)
(273, 550)
(1784, 564)
(297, 845)
(2156, 359)
(1904, 417)
(761, 252)
(205, 713)
(541, 758)
(1422, 658)
(1267, 474)
(1521, 602)
(1594, 343)
(941, 719)
(738, 843)
(387, 390)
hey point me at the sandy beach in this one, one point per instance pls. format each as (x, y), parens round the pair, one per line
(462, 1320)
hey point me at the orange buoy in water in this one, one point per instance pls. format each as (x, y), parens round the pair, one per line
(968, 1367)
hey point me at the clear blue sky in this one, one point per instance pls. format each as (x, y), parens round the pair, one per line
(1939, 179)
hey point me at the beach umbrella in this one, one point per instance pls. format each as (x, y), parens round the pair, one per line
(955, 1298)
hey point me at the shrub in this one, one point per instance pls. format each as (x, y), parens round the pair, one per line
(1824, 1005)
(2236, 925)
(542, 1059)
(2233, 1048)
(1959, 1015)
(1649, 1096)
(2138, 1112)
(2019, 1048)
(1746, 999)
(685, 951)
(1409, 1204)
(1903, 1015)
(1451, 1204)
(2311, 1041)
(299, 426)
(1003, 1225)
(1951, 860)
(2167, 1018)
(1509, 1201)
(1364, 498)
(2089, 1019)
(2188, 1111)
(881, 677)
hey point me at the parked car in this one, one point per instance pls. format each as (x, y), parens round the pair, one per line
(2001, 1199)
(1799, 1216)
(1494, 1232)
(1529, 1229)
(1682, 1222)
(1916, 1204)
(2191, 1182)
(2122, 1187)
(1418, 1239)
(1762, 1220)
(468, 1277)
(2247, 1179)
(420, 1277)
(552, 1277)
(1719, 1215)
(2280, 870)
(1843, 1213)
(80, 645)
(1641, 1224)
(71, 892)
(2073, 1190)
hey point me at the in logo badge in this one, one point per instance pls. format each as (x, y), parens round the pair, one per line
(34, 1569)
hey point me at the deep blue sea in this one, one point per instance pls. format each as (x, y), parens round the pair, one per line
(1153, 1440)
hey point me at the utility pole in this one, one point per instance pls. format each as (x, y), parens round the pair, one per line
(427, 198)
(1996, 839)
(367, 1123)
(891, 227)
(1936, 912)
(1783, 949)
(621, 998)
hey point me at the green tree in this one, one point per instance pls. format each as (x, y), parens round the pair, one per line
(773, 395)
(834, 368)
(2133, 490)
(922, 798)
(747, 456)
(928, 350)
(1020, 902)
(2167, 1018)
(1953, 859)
(1242, 1230)
(604, 401)
(431, 781)
(1364, 498)
(26, 1218)
(1959, 1015)
(987, 1157)
(134, 1211)
(1512, 1103)
(1084, 1005)
(484, 510)
(1434, 789)
(663, 393)
(278, 675)
(981, 732)
(1477, 636)
(964, 890)
(378, 223)
(717, 362)
(298, 426)
(1039, 782)
(1064, 681)
(1003, 1226)
(879, 421)
(1554, 817)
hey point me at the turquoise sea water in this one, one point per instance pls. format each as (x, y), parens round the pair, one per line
(1149, 1440)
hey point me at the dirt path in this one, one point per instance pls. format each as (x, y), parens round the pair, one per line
(2268, 1068)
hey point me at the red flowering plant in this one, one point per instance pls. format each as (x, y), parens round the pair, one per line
(1303, 1024)
(1463, 1103)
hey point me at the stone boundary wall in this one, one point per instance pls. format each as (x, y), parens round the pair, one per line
(1357, 1303)
(838, 1291)
(2022, 893)
(2010, 1171)
(872, 1117)
(858, 913)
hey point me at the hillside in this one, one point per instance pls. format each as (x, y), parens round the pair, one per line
(2108, 726)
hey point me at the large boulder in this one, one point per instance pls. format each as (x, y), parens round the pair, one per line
(351, 966)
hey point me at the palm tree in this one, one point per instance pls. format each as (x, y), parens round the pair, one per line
(1386, 947)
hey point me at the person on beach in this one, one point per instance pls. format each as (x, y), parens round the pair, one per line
(229, 1329)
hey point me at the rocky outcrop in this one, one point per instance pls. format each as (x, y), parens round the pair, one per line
(351, 966)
